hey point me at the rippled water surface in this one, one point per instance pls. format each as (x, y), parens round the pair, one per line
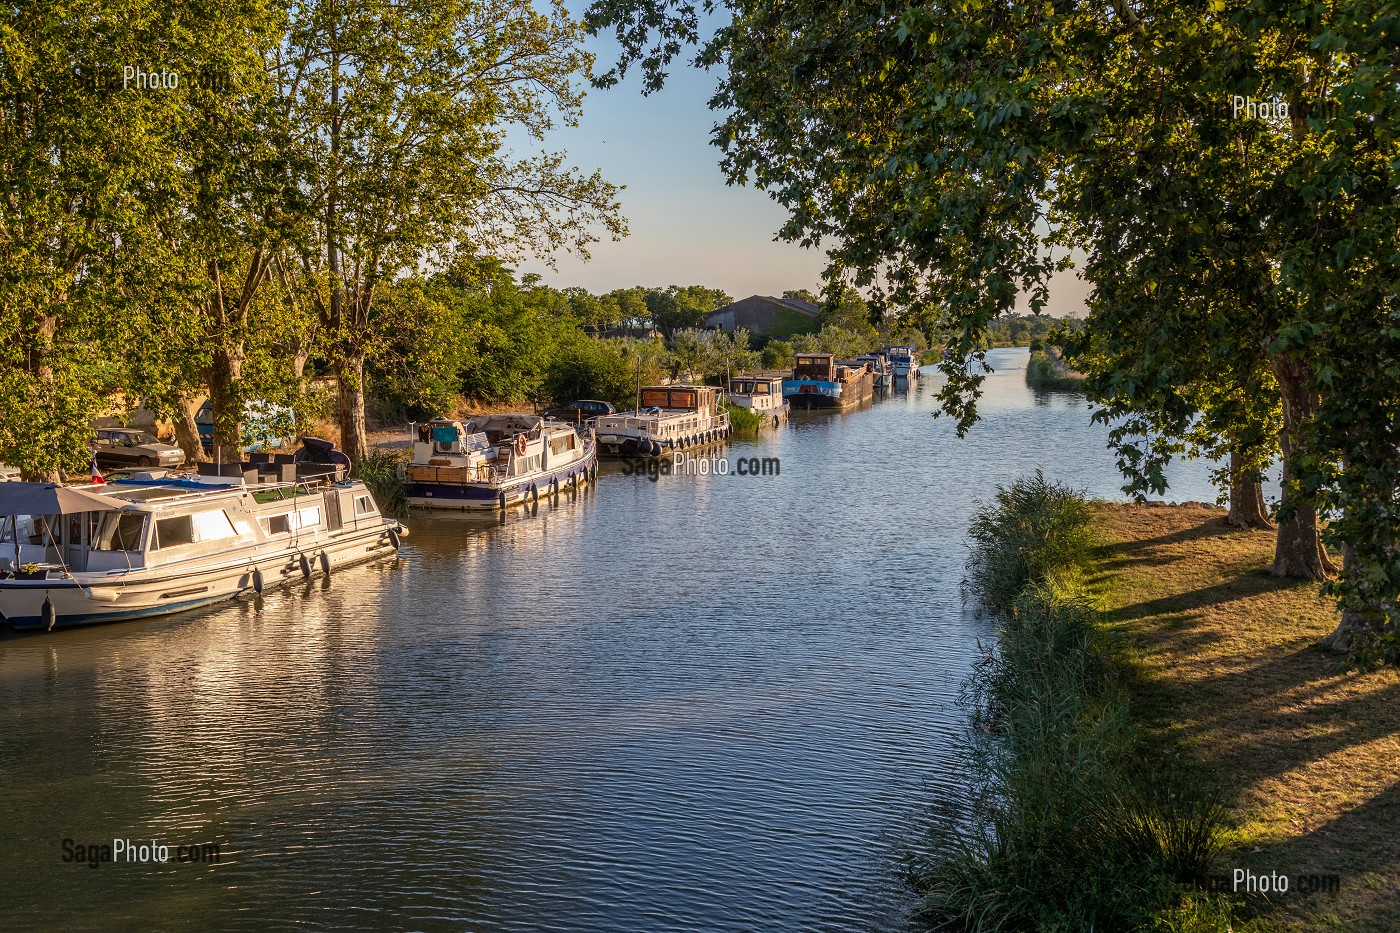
(712, 703)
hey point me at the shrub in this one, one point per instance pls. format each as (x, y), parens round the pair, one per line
(380, 473)
(1046, 373)
(590, 368)
(1033, 530)
(743, 419)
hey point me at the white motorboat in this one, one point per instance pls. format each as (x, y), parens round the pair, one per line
(762, 395)
(904, 360)
(496, 461)
(134, 548)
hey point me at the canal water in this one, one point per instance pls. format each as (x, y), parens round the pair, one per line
(705, 703)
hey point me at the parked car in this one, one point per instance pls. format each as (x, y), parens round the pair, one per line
(264, 425)
(134, 447)
(8, 473)
(580, 411)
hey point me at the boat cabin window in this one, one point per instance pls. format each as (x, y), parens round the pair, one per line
(178, 530)
(117, 531)
(173, 531)
(563, 442)
(364, 505)
(820, 368)
(32, 529)
(290, 521)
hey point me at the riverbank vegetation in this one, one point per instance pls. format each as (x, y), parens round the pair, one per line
(1046, 370)
(1026, 330)
(1079, 819)
(743, 420)
(1157, 716)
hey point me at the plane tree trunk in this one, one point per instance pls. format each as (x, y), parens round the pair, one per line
(350, 382)
(1298, 549)
(225, 371)
(1246, 495)
(41, 372)
(186, 431)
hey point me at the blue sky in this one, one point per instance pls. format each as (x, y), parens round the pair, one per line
(687, 226)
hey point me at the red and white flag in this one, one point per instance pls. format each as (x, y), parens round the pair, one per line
(97, 479)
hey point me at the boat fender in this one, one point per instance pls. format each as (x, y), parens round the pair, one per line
(501, 500)
(258, 583)
(394, 537)
(325, 560)
(102, 595)
(305, 565)
(48, 614)
(534, 493)
(656, 448)
(554, 488)
(520, 442)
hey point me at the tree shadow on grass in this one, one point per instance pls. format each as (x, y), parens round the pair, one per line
(1235, 588)
(1359, 846)
(1209, 526)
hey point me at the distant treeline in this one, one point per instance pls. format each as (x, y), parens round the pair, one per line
(1029, 330)
(480, 333)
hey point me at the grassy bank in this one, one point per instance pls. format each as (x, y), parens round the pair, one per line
(1078, 821)
(1046, 371)
(1228, 672)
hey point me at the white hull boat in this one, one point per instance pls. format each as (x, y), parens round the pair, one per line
(494, 462)
(762, 395)
(132, 549)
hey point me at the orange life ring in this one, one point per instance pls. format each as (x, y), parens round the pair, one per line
(520, 441)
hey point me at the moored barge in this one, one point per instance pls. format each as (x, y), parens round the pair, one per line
(819, 381)
(668, 419)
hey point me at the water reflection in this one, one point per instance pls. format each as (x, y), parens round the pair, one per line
(695, 703)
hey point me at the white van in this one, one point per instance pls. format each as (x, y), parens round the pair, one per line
(264, 425)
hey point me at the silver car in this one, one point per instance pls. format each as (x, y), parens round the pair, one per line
(134, 447)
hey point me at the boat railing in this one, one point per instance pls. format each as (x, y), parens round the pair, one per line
(303, 485)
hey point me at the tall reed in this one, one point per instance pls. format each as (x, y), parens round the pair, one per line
(1074, 823)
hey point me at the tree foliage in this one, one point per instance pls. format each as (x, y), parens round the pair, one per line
(949, 156)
